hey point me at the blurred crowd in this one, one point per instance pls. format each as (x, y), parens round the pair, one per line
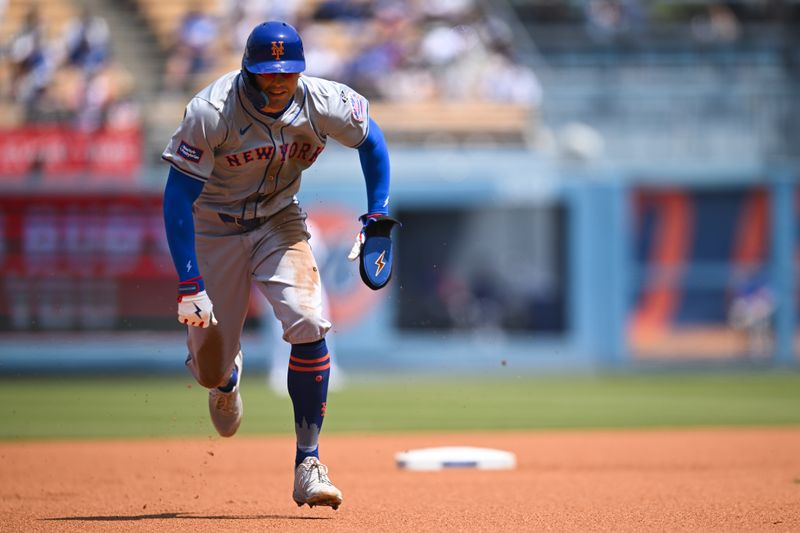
(709, 22)
(395, 50)
(70, 78)
(392, 50)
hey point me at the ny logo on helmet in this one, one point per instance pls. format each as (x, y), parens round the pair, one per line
(277, 50)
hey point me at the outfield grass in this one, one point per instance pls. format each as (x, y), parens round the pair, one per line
(174, 406)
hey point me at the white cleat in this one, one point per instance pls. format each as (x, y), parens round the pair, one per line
(312, 486)
(226, 408)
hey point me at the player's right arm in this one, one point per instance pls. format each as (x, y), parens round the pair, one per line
(194, 305)
(191, 157)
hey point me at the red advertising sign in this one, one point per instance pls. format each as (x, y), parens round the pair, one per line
(84, 262)
(101, 262)
(63, 154)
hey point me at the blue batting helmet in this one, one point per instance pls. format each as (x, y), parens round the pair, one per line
(274, 47)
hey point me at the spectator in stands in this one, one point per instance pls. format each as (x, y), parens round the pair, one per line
(505, 77)
(240, 16)
(443, 44)
(717, 25)
(30, 61)
(603, 19)
(323, 59)
(410, 75)
(426, 51)
(382, 52)
(615, 20)
(194, 50)
(506, 81)
(86, 42)
(73, 83)
(342, 10)
(412, 82)
(95, 97)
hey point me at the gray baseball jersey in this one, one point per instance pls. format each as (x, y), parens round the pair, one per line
(251, 162)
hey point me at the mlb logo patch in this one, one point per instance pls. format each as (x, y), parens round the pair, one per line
(189, 152)
(359, 107)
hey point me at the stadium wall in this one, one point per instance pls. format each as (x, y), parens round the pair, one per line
(506, 263)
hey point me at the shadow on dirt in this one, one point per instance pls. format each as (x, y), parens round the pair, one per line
(178, 516)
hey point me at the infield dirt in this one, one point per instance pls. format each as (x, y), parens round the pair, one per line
(687, 480)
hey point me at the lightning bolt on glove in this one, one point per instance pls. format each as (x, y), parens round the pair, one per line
(194, 305)
(374, 246)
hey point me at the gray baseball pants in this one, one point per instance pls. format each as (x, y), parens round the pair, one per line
(277, 257)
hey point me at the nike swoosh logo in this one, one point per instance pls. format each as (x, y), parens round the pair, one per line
(242, 131)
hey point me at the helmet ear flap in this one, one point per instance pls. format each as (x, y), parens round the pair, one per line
(257, 97)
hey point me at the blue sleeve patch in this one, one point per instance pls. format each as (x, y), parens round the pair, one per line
(189, 152)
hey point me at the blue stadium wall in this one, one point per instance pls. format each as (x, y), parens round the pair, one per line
(509, 263)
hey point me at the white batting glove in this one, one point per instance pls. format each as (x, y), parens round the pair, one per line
(196, 310)
(355, 251)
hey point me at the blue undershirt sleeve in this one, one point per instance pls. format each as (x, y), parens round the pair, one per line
(374, 158)
(179, 194)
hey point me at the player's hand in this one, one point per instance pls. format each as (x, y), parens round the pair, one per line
(196, 310)
(355, 251)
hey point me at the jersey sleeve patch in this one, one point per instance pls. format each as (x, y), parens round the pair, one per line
(358, 106)
(189, 152)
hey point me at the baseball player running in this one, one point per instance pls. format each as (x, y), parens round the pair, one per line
(232, 218)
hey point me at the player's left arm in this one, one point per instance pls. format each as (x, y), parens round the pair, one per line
(374, 156)
(344, 115)
(373, 243)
